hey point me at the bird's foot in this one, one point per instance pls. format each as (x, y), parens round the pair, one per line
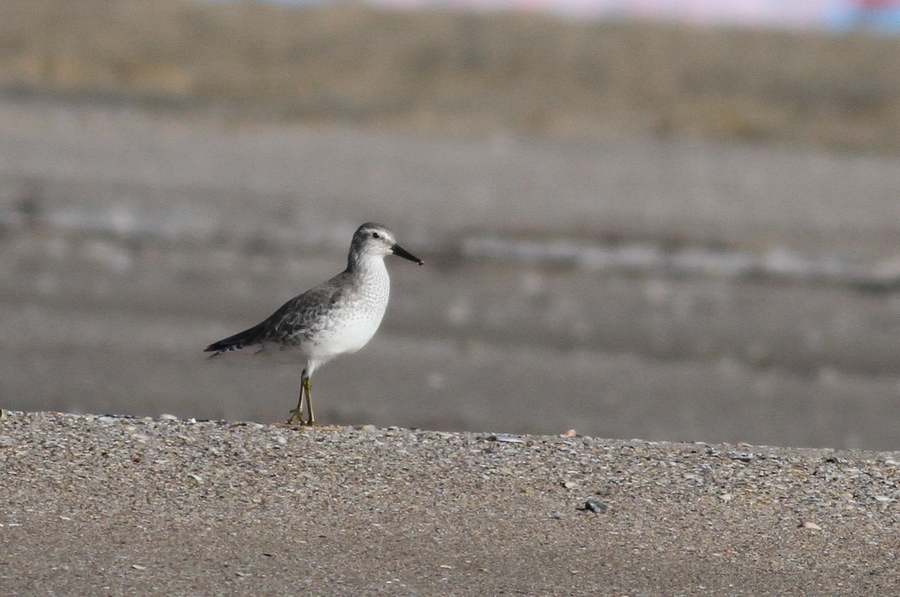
(297, 418)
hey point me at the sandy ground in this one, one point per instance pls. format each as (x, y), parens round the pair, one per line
(127, 506)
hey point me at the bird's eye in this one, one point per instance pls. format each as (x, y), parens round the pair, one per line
(376, 235)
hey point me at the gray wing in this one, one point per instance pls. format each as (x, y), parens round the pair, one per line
(303, 315)
(294, 322)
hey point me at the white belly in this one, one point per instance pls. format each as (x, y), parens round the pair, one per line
(343, 339)
(336, 339)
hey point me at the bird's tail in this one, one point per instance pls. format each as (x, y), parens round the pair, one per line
(236, 342)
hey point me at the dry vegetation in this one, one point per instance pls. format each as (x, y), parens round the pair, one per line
(524, 74)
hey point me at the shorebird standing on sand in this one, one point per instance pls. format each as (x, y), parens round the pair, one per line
(337, 317)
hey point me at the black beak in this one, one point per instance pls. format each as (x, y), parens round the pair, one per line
(401, 252)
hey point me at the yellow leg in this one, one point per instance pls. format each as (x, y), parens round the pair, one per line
(311, 420)
(297, 413)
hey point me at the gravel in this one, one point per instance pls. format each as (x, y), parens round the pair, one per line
(117, 505)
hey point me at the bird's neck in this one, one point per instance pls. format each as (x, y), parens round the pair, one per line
(367, 266)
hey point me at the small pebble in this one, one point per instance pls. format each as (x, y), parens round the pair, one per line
(593, 505)
(506, 439)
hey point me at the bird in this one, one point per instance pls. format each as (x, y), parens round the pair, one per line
(337, 317)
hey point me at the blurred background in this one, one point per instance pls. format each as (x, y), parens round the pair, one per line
(663, 220)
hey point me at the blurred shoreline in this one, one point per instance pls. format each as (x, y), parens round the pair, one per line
(634, 230)
(132, 239)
